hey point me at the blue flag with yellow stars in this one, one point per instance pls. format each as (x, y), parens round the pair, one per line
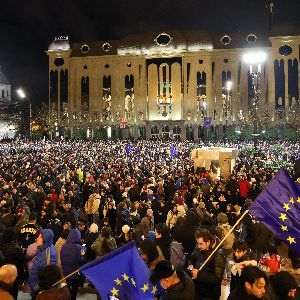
(278, 207)
(121, 274)
(127, 148)
(173, 151)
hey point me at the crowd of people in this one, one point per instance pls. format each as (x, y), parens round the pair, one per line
(65, 203)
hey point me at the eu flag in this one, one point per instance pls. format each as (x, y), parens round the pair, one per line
(127, 148)
(207, 122)
(173, 151)
(278, 207)
(121, 274)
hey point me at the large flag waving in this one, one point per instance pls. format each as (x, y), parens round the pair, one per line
(278, 207)
(121, 274)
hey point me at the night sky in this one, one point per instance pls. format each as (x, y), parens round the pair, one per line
(28, 27)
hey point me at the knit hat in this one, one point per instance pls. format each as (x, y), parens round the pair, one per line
(283, 282)
(125, 228)
(163, 269)
(222, 218)
(94, 228)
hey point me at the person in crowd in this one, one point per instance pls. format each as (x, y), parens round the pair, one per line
(28, 232)
(48, 277)
(242, 258)
(92, 207)
(252, 285)
(46, 255)
(72, 256)
(22, 218)
(122, 217)
(55, 225)
(172, 216)
(208, 279)
(14, 255)
(163, 239)
(150, 253)
(8, 274)
(90, 238)
(282, 286)
(125, 237)
(148, 222)
(58, 245)
(177, 284)
(105, 243)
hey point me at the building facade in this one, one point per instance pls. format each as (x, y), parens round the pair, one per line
(5, 89)
(173, 84)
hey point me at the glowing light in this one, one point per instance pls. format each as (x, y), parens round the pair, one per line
(255, 57)
(21, 93)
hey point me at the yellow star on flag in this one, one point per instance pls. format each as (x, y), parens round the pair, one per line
(154, 290)
(114, 291)
(286, 206)
(125, 277)
(292, 200)
(283, 217)
(291, 240)
(118, 281)
(145, 288)
(284, 228)
(298, 200)
(133, 282)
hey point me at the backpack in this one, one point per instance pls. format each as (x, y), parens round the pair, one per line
(177, 255)
(228, 243)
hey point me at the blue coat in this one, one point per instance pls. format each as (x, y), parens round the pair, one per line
(40, 259)
(72, 254)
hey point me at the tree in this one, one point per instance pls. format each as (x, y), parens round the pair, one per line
(100, 133)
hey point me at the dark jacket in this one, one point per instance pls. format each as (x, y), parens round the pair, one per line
(240, 294)
(71, 255)
(208, 282)
(184, 290)
(164, 245)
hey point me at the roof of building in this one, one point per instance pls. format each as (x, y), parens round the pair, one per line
(170, 42)
(59, 44)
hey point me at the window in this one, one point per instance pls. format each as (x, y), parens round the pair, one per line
(285, 50)
(225, 40)
(106, 47)
(85, 48)
(163, 39)
(59, 61)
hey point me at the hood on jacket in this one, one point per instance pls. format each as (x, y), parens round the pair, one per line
(74, 237)
(48, 236)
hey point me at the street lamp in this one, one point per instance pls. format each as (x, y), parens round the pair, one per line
(22, 95)
(255, 59)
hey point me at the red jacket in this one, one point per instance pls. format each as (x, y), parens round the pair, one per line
(244, 187)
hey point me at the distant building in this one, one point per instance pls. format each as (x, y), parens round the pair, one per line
(172, 84)
(5, 89)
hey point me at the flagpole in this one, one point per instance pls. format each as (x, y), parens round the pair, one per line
(66, 277)
(224, 238)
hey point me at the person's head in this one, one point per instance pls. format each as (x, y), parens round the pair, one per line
(222, 218)
(204, 239)
(150, 212)
(93, 228)
(240, 248)
(165, 273)
(254, 281)
(32, 217)
(148, 250)
(81, 226)
(8, 274)
(48, 276)
(67, 226)
(284, 284)
(106, 232)
(21, 212)
(162, 230)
